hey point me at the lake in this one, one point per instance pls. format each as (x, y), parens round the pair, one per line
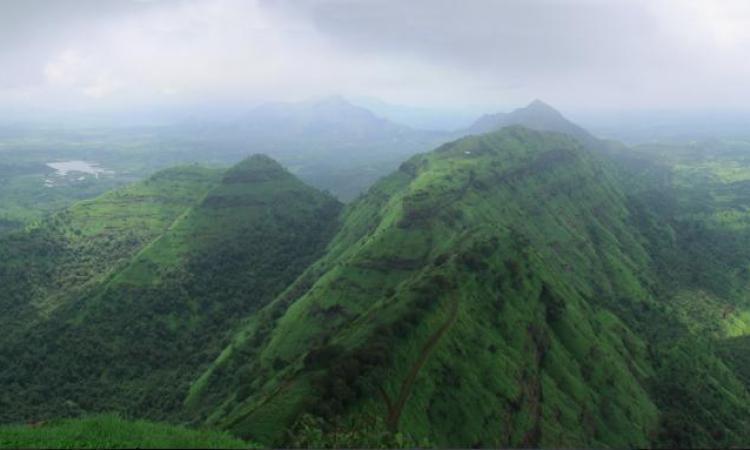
(62, 168)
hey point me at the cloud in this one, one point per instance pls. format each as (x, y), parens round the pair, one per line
(71, 70)
(585, 53)
(630, 52)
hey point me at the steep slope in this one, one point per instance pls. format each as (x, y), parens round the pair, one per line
(499, 291)
(132, 341)
(692, 204)
(57, 258)
(537, 115)
(469, 284)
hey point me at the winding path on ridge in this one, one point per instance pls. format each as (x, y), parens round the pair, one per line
(396, 408)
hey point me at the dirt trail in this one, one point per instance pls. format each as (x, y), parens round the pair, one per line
(395, 408)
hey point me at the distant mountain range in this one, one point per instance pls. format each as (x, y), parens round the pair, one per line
(332, 118)
(343, 148)
(537, 115)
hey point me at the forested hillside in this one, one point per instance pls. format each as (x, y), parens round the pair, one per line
(341, 224)
(131, 294)
(516, 288)
(503, 290)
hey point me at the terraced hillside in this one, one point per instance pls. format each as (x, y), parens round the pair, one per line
(136, 291)
(498, 291)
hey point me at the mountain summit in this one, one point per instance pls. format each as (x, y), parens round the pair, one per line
(537, 115)
(460, 285)
(331, 118)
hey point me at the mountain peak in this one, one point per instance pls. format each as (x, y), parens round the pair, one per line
(333, 100)
(537, 115)
(258, 167)
(540, 106)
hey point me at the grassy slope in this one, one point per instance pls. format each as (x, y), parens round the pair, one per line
(513, 246)
(133, 340)
(52, 266)
(504, 284)
(60, 256)
(111, 431)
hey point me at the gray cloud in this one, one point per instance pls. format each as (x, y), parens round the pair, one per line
(31, 31)
(511, 35)
(586, 53)
(624, 50)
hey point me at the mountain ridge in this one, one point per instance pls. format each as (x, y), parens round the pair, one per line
(505, 266)
(507, 289)
(133, 339)
(537, 115)
(408, 233)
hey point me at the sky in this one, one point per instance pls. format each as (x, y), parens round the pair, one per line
(71, 55)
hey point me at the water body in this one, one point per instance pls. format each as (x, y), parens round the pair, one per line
(62, 168)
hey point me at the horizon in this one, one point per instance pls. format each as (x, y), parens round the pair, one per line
(632, 126)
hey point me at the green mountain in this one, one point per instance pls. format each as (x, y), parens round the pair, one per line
(81, 246)
(518, 288)
(329, 143)
(332, 119)
(503, 290)
(134, 292)
(537, 115)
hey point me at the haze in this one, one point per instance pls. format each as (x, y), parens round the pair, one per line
(91, 55)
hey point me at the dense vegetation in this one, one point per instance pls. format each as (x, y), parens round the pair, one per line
(512, 266)
(517, 288)
(137, 321)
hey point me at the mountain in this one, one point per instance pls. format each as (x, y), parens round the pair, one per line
(129, 295)
(337, 146)
(85, 243)
(502, 290)
(537, 115)
(331, 118)
(421, 118)
(328, 143)
(434, 297)
(517, 288)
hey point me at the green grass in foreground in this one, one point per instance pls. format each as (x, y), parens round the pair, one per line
(111, 431)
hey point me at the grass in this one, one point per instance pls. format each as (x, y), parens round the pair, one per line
(505, 290)
(581, 320)
(112, 431)
(148, 283)
(474, 201)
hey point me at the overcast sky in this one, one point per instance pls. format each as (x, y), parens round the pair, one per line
(608, 54)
